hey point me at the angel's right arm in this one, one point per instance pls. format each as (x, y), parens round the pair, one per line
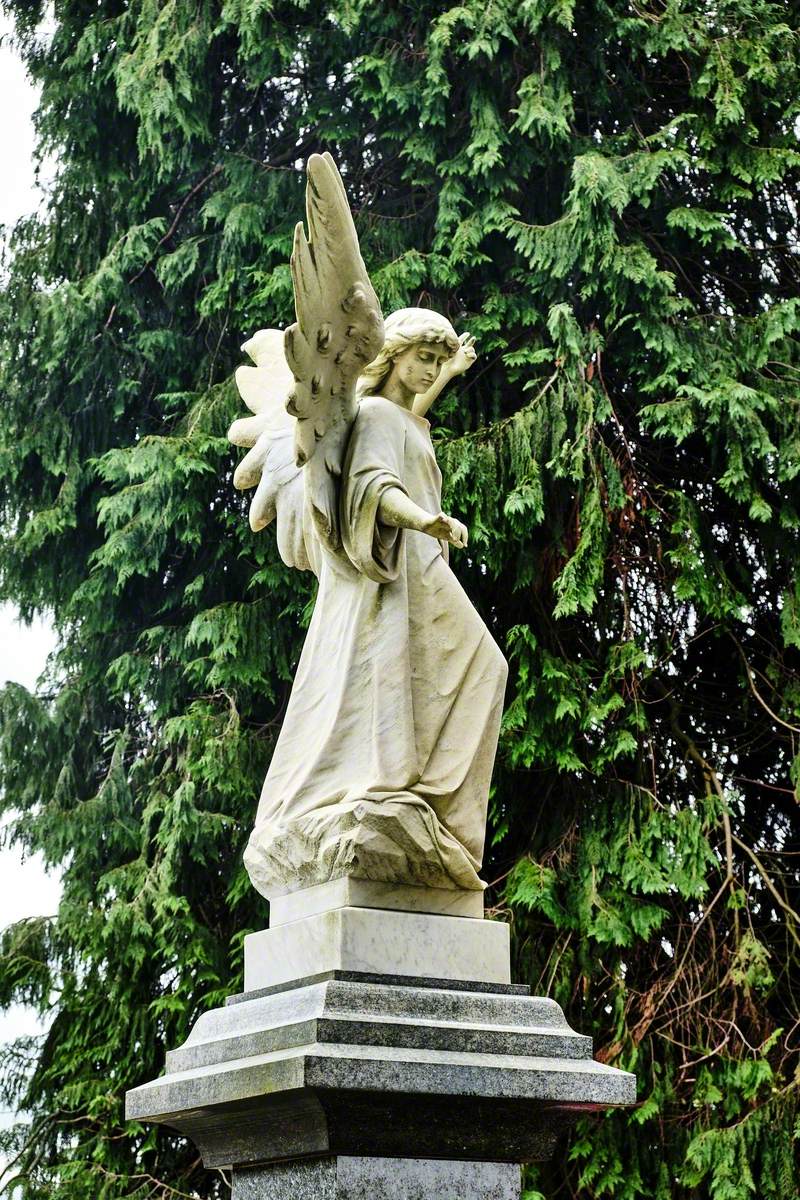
(399, 510)
(461, 361)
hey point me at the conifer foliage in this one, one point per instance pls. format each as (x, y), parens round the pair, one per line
(604, 192)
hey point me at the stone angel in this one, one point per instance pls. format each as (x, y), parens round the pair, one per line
(384, 760)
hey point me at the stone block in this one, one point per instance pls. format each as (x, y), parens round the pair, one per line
(381, 942)
(348, 1178)
(348, 892)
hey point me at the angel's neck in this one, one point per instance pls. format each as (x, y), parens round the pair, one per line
(396, 391)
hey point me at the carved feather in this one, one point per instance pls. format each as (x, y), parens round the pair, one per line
(302, 389)
(270, 465)
(339, 330)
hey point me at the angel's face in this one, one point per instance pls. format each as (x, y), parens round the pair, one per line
(418, 367)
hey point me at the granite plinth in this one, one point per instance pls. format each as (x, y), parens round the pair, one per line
(348, 892)
(348, 1178)
(419, 981)
(378, 941)
(364, 1069)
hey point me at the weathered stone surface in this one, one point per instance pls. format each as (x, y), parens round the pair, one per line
(348, 1178)
(338, 1013)
(416, 981)
(348, 892)
(379, 941)
(384, 759)
(359, 1068)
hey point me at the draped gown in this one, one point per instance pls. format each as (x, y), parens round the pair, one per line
(383, 764)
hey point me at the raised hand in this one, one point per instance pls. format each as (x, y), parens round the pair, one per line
(464, 356)
(461, 361)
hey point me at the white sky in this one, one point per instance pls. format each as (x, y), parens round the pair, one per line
(26, 889)
(18, 99)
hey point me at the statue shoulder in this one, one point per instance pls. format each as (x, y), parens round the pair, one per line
(378, 431)
(374, 410)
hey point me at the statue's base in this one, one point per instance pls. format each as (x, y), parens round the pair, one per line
(346, 1178)
(358, 1065)
(360, 1038)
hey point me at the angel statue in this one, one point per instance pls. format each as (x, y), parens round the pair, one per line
(384, 760)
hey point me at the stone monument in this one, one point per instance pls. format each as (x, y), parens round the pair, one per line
(379, 1050)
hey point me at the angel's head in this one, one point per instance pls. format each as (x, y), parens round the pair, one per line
(418, 343)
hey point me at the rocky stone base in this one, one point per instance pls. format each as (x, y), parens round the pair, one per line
(391, 840)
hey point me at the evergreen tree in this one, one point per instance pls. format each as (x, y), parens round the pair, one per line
(605, 194)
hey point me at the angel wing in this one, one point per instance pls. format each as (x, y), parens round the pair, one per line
(339, 330)
(270, 465)
(302, 390)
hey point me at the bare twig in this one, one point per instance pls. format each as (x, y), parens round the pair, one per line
(750, 673)
(770, 886)
(177, 219)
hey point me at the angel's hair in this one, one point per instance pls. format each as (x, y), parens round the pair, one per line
(404, 328)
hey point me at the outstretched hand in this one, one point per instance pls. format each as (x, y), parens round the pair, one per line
(448, 529)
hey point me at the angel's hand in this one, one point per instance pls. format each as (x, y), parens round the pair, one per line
(447, 529)
(464, 356)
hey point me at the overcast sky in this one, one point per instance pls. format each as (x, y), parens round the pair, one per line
(25, 887)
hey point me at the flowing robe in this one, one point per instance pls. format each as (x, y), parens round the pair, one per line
(384, 760)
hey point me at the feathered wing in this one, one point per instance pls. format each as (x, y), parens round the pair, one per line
(302, 390)
(339, 330)
(270, 465)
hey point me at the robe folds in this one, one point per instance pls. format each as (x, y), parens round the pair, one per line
(383, 764)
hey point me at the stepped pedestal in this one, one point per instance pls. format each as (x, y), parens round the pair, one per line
(378, 1054)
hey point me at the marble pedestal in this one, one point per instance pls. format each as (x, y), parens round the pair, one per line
(378, 942)
(438, 1080)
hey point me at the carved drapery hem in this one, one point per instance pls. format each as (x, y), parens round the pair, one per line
(396, 840)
